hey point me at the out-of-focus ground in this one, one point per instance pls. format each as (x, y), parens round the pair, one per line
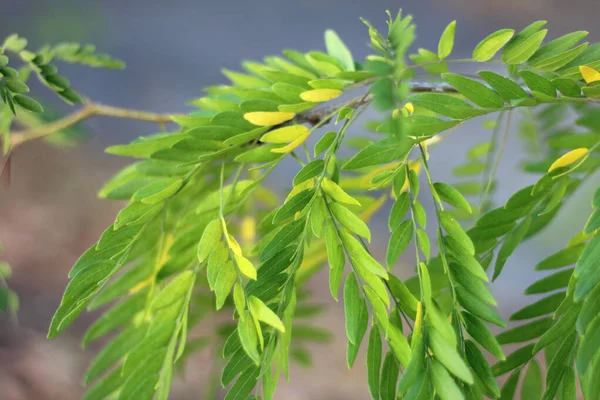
(50, 214)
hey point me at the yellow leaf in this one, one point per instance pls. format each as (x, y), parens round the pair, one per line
(245, 266)
(293, 145)
(248, 229)
(589, 74)
(320, 95)
(234, 245)
(410, 108)
(418, 328)
(337, 193)
(268, 118)
(569, 158)
(284, 135)
(415, 166)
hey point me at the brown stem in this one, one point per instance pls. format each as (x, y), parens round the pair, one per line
(89, 110)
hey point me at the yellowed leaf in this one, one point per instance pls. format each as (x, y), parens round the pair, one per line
(589, 74)
(234, 245)
(284, 135)
(268, 118)
(293, 145)
(320, 95)
(245, 266)
(248, 229)
(569, 158)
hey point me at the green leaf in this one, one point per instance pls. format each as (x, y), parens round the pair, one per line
(454, 229)
(338, 50)
(541, 307)
(588, 310)
(588, 346)
(221, 275)
(555, 61)
(399, 239)
(380, 152)
(350, 220)
(389, 377)
(157, 191)
(538, 83)
(452, 196)
(488, 47)
(474, 91)
(338, 194)
(28, 103)
(482, 335)
(310, 170)
(511, 241)
(586, 271)
(526, 332)
(446, 105)
(508, 89)
(423, 125)
(243, 385)
(324, 143)
(287, 234)
(248, 336)
(552, 282)
(398, 211)
(408, 302)
(557, 46)
(444, 385)
(446, 42)
(335, 256)
(510, 386)
(482, 369)
(354, 307)
(293, 205)
(367, 267)
(239, 298)
(419, 213)
(532, 383)
(561, 258)
(449, 357)
(210, 237)
(473, 305)
(523, 45)
(514, 360)
(374, 362)
(16, 86)
(362, 324)
(263, 313)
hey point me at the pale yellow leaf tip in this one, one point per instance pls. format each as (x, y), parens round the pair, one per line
(284, 135)
(320, 95)
(293, 145)
(268, 118)
(569, 158)
(589, 74)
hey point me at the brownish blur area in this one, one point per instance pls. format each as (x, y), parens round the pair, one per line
(50, 213)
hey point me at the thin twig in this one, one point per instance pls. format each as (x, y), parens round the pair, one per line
(88, 111)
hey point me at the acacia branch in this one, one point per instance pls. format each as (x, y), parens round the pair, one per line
(88, 111)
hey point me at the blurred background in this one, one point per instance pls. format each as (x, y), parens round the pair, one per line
(50, 213)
